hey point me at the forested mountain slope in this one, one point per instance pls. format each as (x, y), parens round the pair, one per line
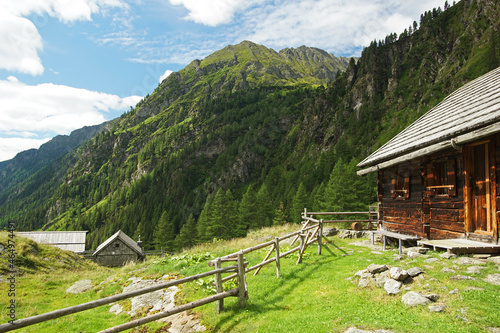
(248, 136)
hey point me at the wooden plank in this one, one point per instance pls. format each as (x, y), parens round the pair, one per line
(444, 234)
(447, 225)
(451, 215)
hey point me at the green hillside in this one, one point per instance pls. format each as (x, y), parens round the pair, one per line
(248, 137)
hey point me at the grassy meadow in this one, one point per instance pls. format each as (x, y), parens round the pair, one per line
(319, 295)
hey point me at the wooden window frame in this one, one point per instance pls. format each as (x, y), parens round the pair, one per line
(435, 176)
(400, 185)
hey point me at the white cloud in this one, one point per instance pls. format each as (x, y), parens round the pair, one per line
(21, 42)
(165, 75)
(335, 25)
(213, 12)
(47, 109)
(9, 147)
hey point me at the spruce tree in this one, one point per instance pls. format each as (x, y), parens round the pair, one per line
(246, 212)
(299, 203)
(188, 235)
(164, 234)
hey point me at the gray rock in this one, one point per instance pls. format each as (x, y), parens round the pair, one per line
(448, 270)
(417, 249)
(493, 329)
(357, 330)
(431, 260)
(473, 288)
(413, 255)
(414, 271)
(468, 261)
(363, 283)
(392, 287)
(413, 299)
(495, 260)
(361, 272)
(437, 308)
(381, 278)
(493, 279)
(454, 291)
(447, 255)
(432, 297)
(475, 269)
(398, 274)
(374, 269)
(79, 287)
(330, 232)
(462, 277)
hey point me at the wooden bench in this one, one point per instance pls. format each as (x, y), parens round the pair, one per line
(400, 237)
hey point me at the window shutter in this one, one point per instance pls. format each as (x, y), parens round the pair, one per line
(407, 186)
(393, 186)
(452, 179)
(430, 179)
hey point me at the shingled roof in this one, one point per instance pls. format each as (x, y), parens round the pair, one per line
(122, 236)
(469, 113)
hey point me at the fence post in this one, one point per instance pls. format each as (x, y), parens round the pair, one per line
(302, 246)
(277, 248)
(218, 285)
(320, 236)
(242, 284)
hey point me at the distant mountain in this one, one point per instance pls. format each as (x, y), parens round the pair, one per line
(248, 137)
(26, 163)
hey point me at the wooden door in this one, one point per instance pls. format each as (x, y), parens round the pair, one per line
(478, 189)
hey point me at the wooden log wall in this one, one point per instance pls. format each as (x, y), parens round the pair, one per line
(422, 213)
(497, 181)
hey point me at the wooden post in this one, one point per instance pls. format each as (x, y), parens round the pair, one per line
(218, 285)
(320, 236)
(302, 246)
(278, 265)
(242, 284)
(267, 257)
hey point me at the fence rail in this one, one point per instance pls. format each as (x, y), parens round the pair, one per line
(311, 232)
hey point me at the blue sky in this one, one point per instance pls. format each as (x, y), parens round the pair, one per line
(65, 64)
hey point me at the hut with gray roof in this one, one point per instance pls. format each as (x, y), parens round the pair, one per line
(437, 179)
(117, 250)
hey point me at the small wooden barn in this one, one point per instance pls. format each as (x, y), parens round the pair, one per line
(118, 250)
(437, 179)
(66, 240)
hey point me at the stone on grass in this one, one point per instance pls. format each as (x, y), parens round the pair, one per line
(437, 308)
(414, 271)
(495, 260)
(398, 274)
(468, 261)
(448, 270)
(493, 279)
(392, 287)
(431, 260)
(374, 269)
(462, 277)
(447, 255)
(413, 299)
(475, 269)
(79, 287)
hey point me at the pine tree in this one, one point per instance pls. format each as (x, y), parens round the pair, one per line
(164, 234)
(188, 235)
(263, 208)
(246, 212)
(279, 215)
(299, 203)
(203, 222)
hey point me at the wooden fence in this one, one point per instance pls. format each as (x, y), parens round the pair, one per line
(311, 232)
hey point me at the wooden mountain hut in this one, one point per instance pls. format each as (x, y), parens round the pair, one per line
(437, 179)
(117, 250)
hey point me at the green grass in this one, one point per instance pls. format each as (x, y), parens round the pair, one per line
(318, 295)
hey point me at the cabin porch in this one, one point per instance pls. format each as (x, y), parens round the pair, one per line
(461, 246)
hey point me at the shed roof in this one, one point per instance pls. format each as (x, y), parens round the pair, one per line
(470, 112)
(65, 240)
(124, 238)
